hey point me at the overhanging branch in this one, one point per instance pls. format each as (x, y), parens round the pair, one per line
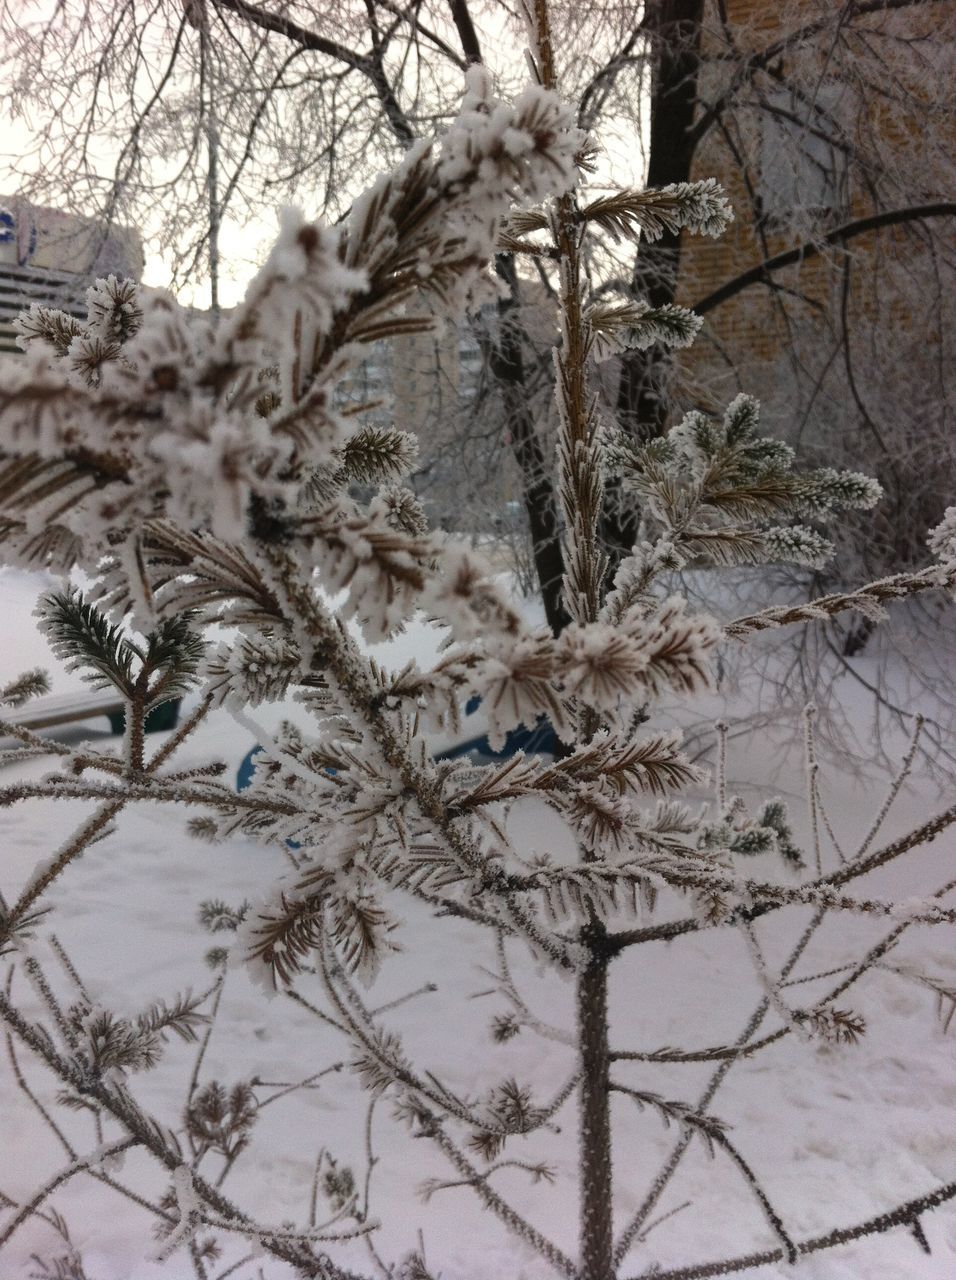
(305, 38)
(763, 272)
(762, 58)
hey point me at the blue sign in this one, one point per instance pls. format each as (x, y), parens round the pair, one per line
(21, 231)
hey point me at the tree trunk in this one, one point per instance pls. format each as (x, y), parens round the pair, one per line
(597, 1235)
(673, 26)
(507, 366)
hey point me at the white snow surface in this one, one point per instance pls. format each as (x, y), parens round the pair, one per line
(835, 1134)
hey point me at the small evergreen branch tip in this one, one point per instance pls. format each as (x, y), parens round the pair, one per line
(204, 829)
(84, 638)
(113, 310)
(181, 1017)
(220, 1119)
(836, 1026)
(46, 326)
(173, 654)
(619, 327)
(718, 492)
(381, 1063)
(701, 207)
(283, 936)
(14, 932)
(216, 917)
(506, 1026)
(709, 1127)
(402, 510)
(32, 684)
(375, 455)
(114, 1045)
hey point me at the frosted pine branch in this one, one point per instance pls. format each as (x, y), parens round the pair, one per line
(867, 600)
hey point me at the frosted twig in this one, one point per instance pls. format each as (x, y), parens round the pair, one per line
(672, 1163)
(28, 1092)
(39, 982)
(361, 1216)
(507, 986)
(361, 1028)
(764, 895)
(68, 967)
(288, 1235)
(82, 838)
(713, 1133)
(314, 1010)
(894, 789)
(57, 1180)
(923, 834)
(721, 778)
(398, 1071)
(432, 1128)
(206, 1038)
(863, 600)
(234, 1267)
(159, 1141)
(812, 768)
(35, 745)
(90, 830)
(176, 739)
(657, 1222)
(199, 1266)
(828, 825)
(434, 1185)
(207, 794)
(903, 1215)
(314, 1191)
(855, 971)
(771, 988)
(816, 977)
(428, 988)
(308, 1082)
(190, 1215)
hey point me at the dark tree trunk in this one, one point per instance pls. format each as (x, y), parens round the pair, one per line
(673, 27)
(507, 366)
(597, 1238)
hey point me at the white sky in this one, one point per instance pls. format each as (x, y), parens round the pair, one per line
(242, 247)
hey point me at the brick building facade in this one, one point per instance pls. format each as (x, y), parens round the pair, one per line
(789, 185)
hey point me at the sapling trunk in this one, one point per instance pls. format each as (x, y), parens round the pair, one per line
(597, 1243)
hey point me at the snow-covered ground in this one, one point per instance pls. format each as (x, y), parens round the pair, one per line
(835, 1135)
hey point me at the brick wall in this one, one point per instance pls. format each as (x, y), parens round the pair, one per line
(750, 327)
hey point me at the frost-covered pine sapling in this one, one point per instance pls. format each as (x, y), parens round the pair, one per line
(203, 477)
